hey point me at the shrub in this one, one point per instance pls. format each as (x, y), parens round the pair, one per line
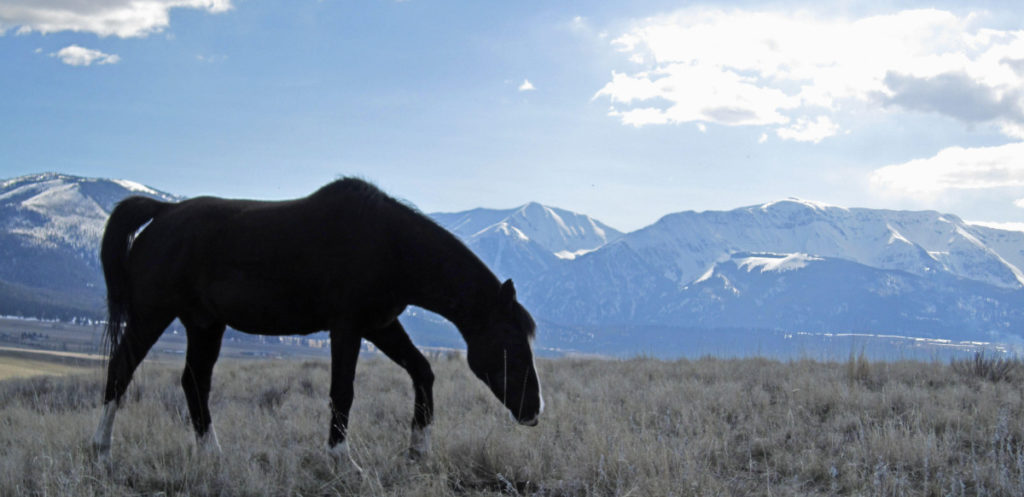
(987, 367)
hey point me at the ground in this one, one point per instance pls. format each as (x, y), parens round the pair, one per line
(633, 427)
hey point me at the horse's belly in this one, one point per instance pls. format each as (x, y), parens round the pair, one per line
(268, 310)
(286, 326)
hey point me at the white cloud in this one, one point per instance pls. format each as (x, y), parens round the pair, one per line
(763, 138)
(782, 70)
(1019, 203)
(685, 93)
(211, 59)
(702, 128)
(955, 168)
(123, 18)
(806, 130)
(579, 23)
(526, 86)
(1008, 226)
(74, 55)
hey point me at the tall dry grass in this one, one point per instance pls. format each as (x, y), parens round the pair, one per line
(638, 427)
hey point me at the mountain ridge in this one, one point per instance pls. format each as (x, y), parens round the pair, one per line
(783, 265)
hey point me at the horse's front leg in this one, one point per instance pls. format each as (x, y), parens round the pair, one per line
(344, 354)
(200, 356)
(394, 342)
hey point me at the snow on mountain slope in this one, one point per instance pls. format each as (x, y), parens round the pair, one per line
(774, 262)
(683, 246)
(558, 231)
(510, 253)
(781, 295)
(528, 241)
(52, 210)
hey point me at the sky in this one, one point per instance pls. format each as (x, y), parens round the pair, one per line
(625, 111)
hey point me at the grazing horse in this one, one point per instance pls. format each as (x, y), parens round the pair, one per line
(347, 259)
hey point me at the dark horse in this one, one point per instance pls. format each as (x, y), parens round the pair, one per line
(347, 259)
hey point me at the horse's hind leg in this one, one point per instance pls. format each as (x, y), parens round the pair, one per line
(344, 354)
(200, 356)
(139, 336)
(394, 342)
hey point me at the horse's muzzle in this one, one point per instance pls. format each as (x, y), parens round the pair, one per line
(525, 421)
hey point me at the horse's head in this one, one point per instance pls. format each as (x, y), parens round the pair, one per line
(502, 356)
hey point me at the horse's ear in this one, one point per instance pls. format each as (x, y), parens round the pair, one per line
(507, 294)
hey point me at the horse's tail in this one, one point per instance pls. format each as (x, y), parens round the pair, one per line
(126, 219)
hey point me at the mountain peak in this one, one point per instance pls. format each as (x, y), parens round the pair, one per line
(556, 230)
(794, 202)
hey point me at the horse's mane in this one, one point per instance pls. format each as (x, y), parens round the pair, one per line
(370, 196)
(349, 186)
(525, 321)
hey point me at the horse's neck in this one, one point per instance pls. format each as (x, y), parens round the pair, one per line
(448, 279)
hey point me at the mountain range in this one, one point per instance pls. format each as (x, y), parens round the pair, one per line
(790, 266)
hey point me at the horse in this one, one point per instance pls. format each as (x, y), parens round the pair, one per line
(347, 259)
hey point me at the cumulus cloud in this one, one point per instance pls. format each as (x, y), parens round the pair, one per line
(526, 86)
(956, 95)
(787, 70)
(806, 130)
(74, 55)
(955, 168)
(122, 18)
(679, 93)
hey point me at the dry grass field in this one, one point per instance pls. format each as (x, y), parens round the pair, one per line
(638, 427)
(16, 362)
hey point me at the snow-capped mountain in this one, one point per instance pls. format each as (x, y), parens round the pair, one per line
(564, 233)
(527, 241)
(685, 245)
(828, 267)
(50, 230)
(53, 210)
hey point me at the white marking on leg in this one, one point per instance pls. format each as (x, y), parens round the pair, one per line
(208, 443)
(341, 456)
(419, 442)
(101, 440)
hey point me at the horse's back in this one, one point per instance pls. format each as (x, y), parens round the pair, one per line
(270, 267)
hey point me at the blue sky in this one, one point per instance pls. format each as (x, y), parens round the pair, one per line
(632, 109)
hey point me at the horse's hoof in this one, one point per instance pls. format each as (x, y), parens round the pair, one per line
(415, 455)
(343, 460)
(101, 455)
(207, 444)
(419, 443)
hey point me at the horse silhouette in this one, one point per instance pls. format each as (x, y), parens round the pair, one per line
(347, 259)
